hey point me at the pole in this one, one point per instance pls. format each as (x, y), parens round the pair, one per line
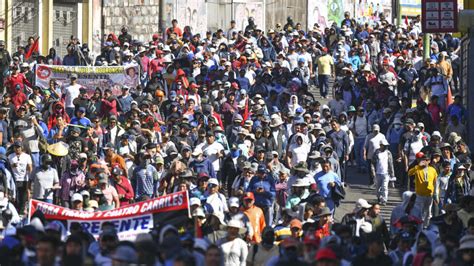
(161, 20)
(399, 13)
(102, 25)
(426, 46)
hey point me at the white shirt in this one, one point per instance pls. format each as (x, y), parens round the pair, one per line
(372, 143)
(19, 165)
(218, 202)
(212, 151)
(235, 251)
(299, 153)
(71, 92)
(382, 163)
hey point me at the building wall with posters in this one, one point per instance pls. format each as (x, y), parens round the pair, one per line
(54, 21)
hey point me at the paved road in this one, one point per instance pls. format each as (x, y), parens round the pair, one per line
(358, 184)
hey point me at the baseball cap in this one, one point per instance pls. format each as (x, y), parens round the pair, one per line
(234, 202)
(249, 195)
(295, 223)
(213, 181)
(76, 197)
(261, 169)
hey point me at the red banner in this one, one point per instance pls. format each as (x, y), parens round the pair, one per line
(129, 221)
(172, 202)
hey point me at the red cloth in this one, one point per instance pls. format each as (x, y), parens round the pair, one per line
(33, 49)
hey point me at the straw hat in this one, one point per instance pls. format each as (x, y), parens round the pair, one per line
(59, 149)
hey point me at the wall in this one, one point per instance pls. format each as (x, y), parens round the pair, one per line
(276, 11)
(141, 17)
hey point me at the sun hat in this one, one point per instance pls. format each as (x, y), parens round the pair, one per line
(300, 183)
(325, 211)
(234, 223)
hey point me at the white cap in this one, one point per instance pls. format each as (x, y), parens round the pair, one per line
(213, 181)
(76, 197)
(384, 142)
(420, 124)
(194, 201)
(234, 202)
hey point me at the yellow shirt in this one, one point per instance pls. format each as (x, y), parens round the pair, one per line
(325, 64)
(425, 180)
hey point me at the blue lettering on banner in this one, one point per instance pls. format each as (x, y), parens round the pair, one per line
(126, 225)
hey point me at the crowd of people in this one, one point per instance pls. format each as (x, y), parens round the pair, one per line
(231, 118)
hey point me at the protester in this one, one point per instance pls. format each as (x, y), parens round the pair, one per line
(227, 126)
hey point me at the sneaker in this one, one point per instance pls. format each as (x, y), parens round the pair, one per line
(372, 186)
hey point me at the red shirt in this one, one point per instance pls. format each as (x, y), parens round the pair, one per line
(18, 79)
(124, 188)
(154, 66)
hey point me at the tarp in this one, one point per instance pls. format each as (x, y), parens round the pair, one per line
(90, 77)
(129, 220)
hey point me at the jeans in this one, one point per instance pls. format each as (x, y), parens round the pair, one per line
(381, 186)
(268, 213)
(424, 203)
(35, 157)
(330, 204)
(323, 81)
(359, 152)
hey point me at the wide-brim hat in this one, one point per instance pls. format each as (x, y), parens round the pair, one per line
(324, 211)
(300, 183)
(59, 149)
(301, 167)
(276, 122)
(236, 224)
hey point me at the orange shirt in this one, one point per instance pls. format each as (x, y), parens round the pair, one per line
(117, 159)
(257, 222)
(322, 232)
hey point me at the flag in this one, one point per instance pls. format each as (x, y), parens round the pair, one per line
(246, 111)
(406, 20)
(449, 97)
(34, 48)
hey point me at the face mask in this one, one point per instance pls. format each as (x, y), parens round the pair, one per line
(396, 126)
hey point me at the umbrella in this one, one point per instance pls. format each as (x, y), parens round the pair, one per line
(59, 149)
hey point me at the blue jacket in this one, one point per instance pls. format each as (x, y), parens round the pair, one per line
(203, 166)
(322, 181)
(268, 184)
